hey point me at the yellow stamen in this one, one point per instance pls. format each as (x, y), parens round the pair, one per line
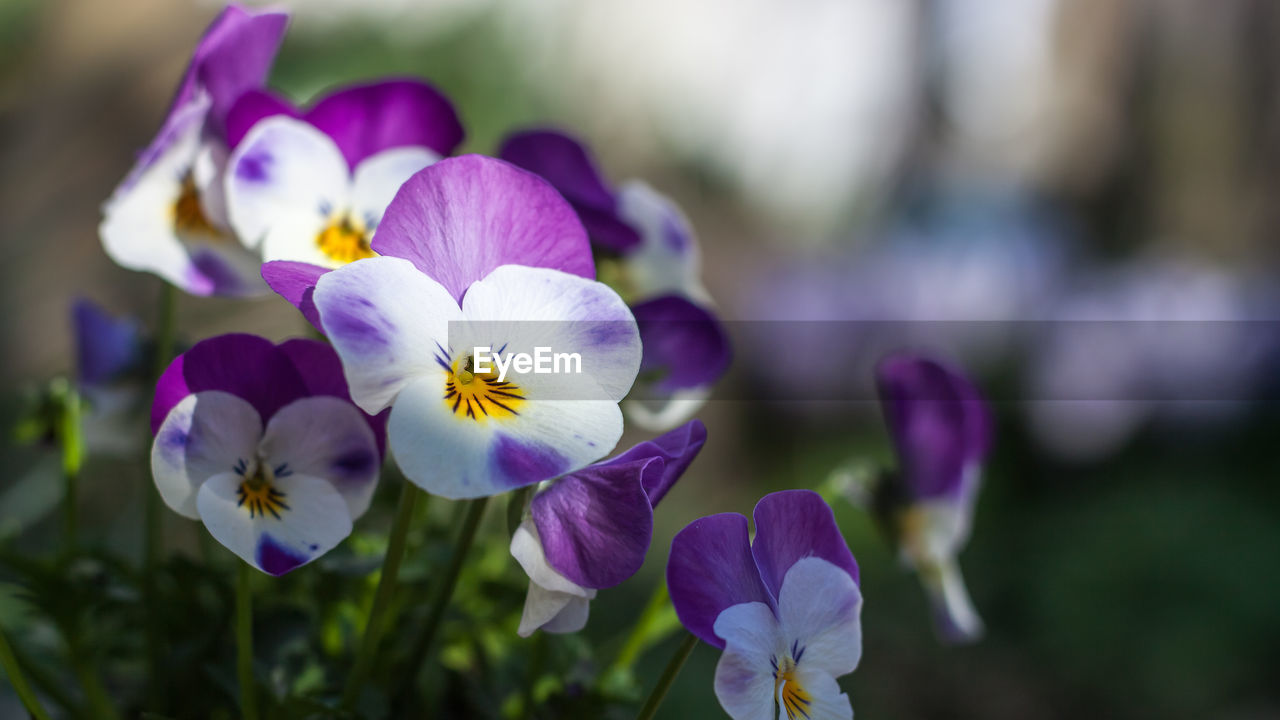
(188, 213)
(480, 396)
(257, 494)
(792, 696)
(344, 242)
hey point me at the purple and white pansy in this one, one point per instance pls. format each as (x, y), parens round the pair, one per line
(941, 430)
(647, 251)
(169, 216)
(262, 444)
(591, 529)
(786, 608)
(311, 185)
(476, 253)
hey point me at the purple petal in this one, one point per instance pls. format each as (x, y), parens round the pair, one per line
(711, 569)
(368, 119)
(234, 56)
(320, 368)
(462, 217)
(795, 524)
(939, 424)
(677, 448)
(682, 341)
(565, 163)
(251, 107)
(246, 366)
(296, 282)
(596, 524)
(106, 347)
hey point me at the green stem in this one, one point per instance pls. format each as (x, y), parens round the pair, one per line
(72, 456)
(164, 353)
(164, 342)
(668, 677)
(19, 681)
(447, 583)
(244, 643)
(644, 633)
(382, 596)
(95, 694)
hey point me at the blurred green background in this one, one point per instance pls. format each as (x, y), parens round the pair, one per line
(840, 159)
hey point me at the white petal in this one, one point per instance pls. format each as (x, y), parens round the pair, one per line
(744, 676)
(209, 173)
(315, 521)
(826, 700)
(137, 227)
(554, 603)
(522, 308)
(668, 413)
(526, 548)
(668, 260)
(572, 618)
(388, 322)
(286, 181)
(378, 178)
(552, 611)
(457, 456)
(206, 434)
(328, 438)
(936, 531)
(820, 607)
(954, 616)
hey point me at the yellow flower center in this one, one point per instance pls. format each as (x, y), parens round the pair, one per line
(480, 395)
(343, 242)
(792, 696)
(188, 213)
(257, 494)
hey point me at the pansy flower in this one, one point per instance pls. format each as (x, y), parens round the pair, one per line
(786, 608)
(262, 444)
(646, 249)
(478, 254)
(941, 430)
(591, 529)
(311, 185)
(168, 216)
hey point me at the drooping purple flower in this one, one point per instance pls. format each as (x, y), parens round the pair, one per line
(941, 429)
(168, 216)
(786, 608)
(477, 253)
(310, 186)
(645, 249)
(262, 444)
(591, 529)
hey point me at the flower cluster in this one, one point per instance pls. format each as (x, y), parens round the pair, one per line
(418, 266)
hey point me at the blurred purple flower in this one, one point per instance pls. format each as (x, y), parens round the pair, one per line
(645, 249)
(591, 529)
(111, 366)
(786, 609)
(1153, 340)
(961, 279)
(168, 216)
(262, 444)
(941, 429)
